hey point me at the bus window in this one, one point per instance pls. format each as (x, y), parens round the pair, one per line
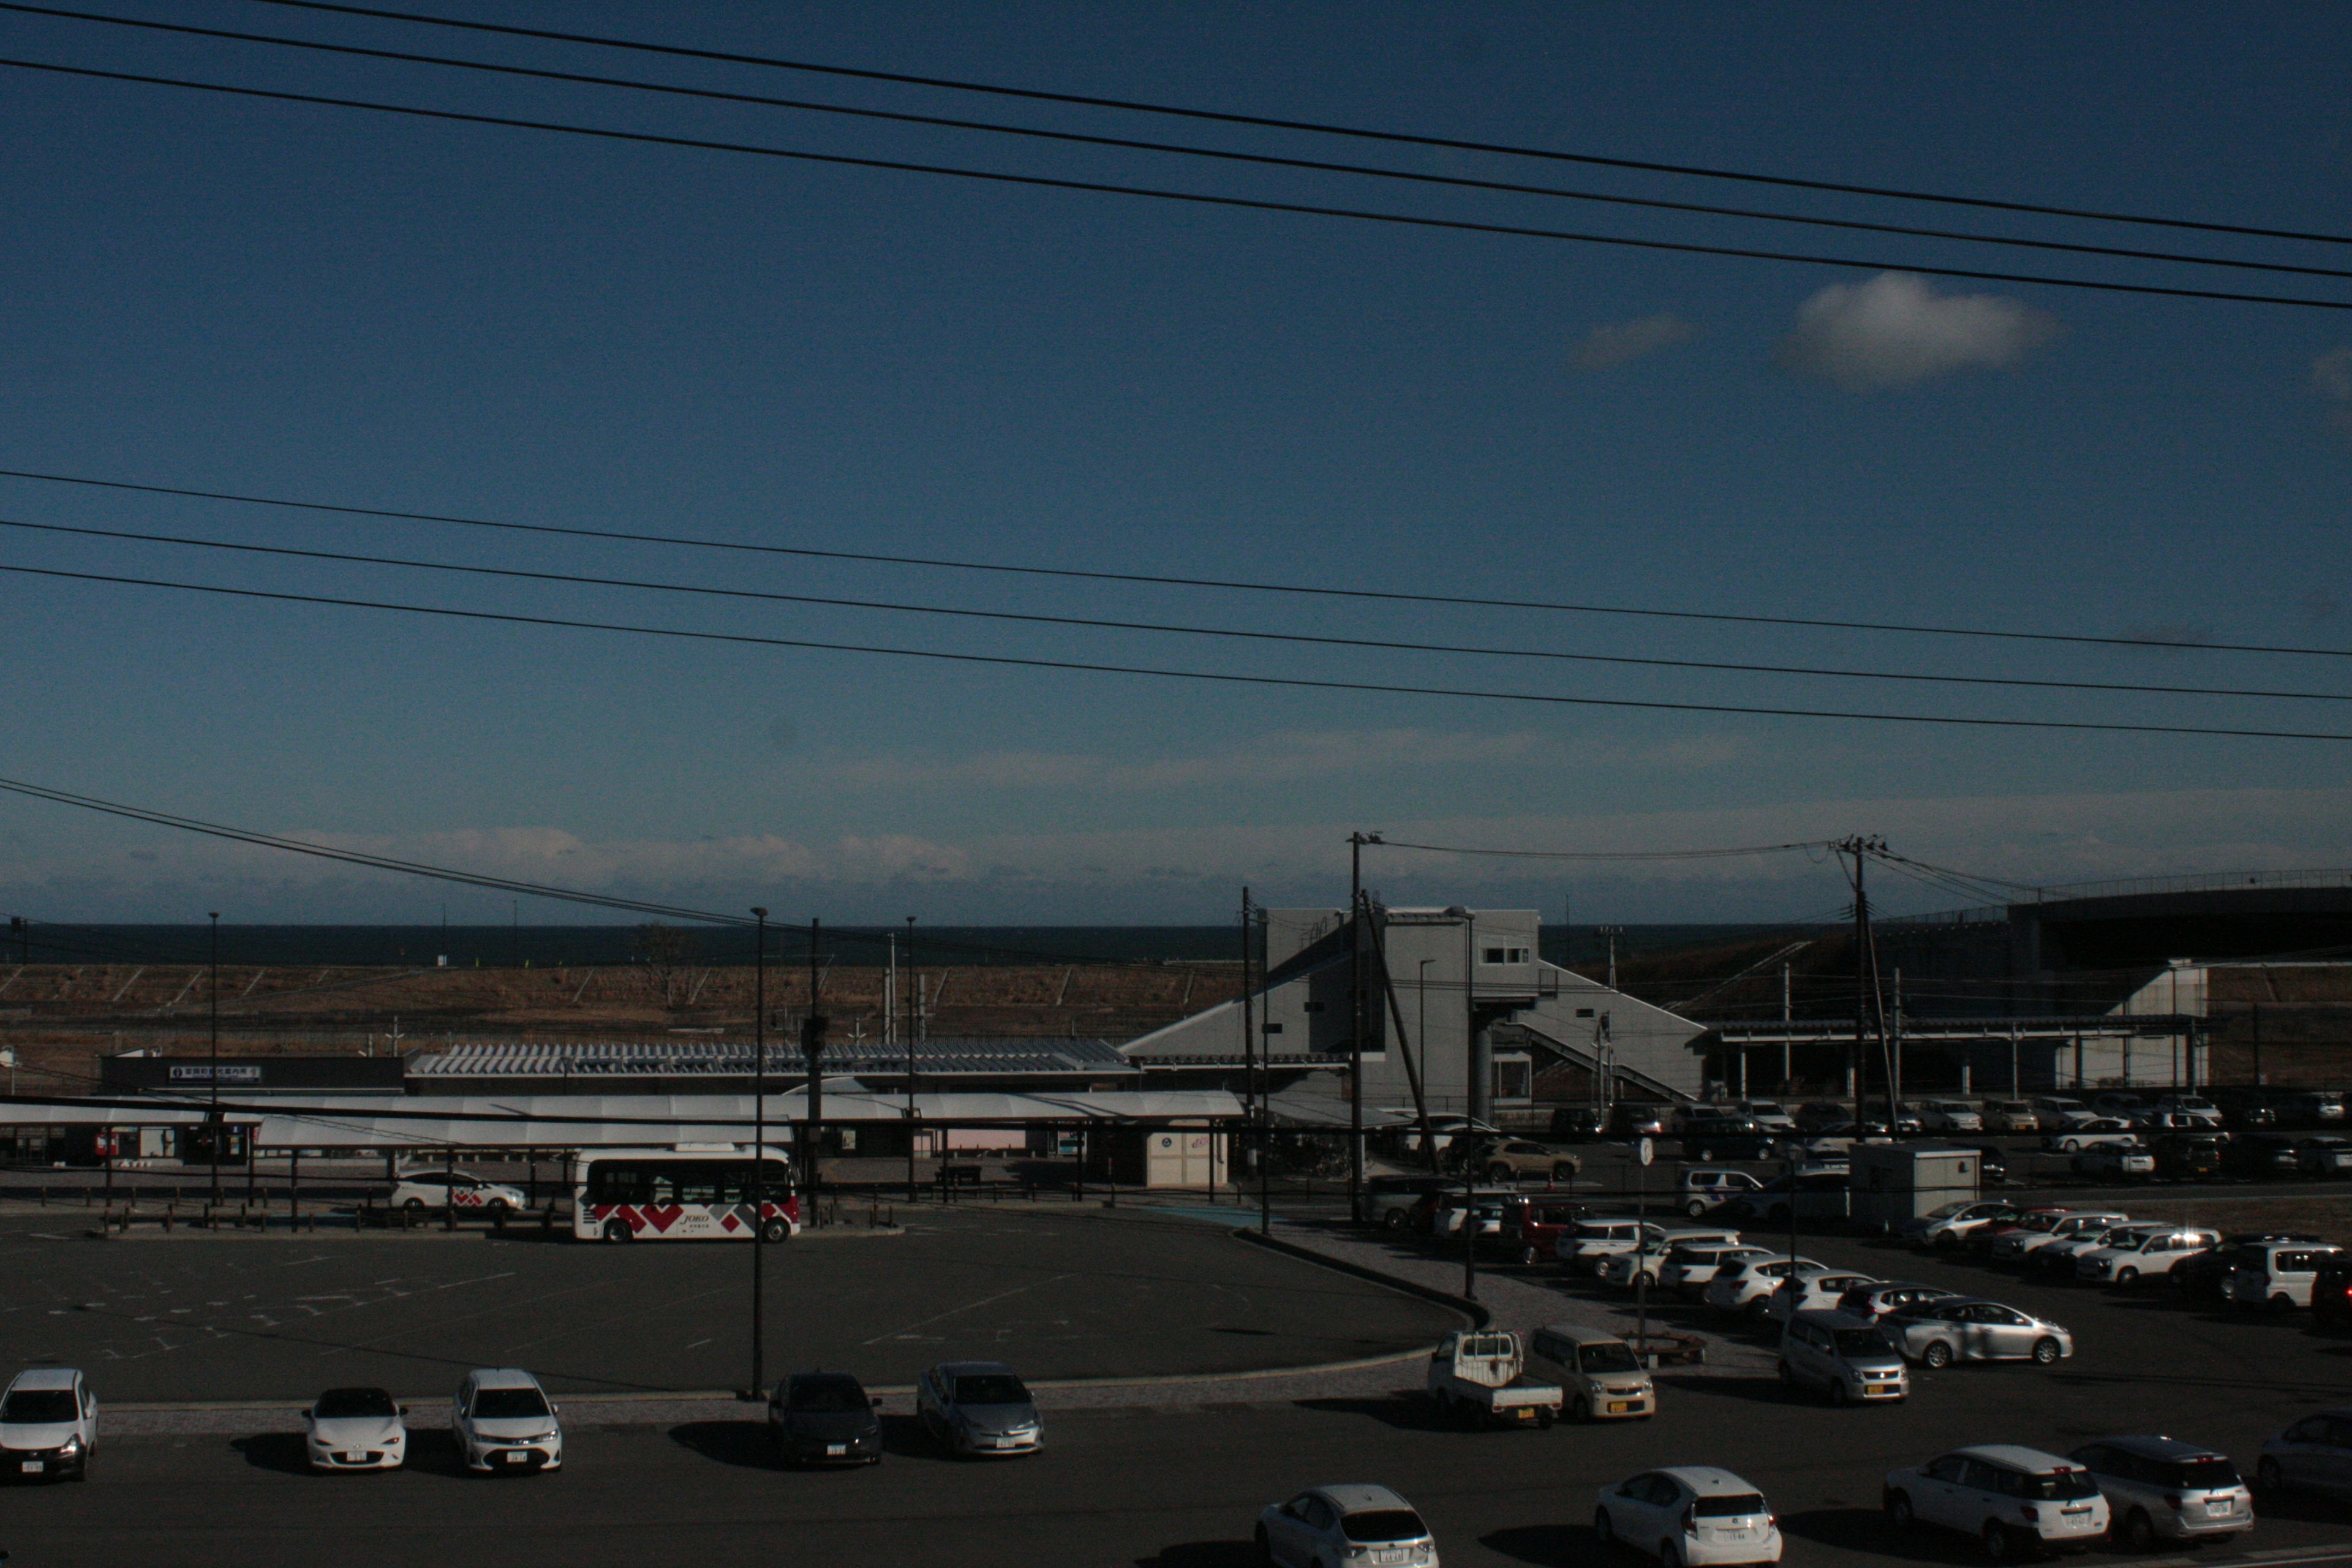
(695, 1183)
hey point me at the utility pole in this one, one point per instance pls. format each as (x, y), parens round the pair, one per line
(1355, 842)
(1788, 1050)
(759, 1146)
(1250, 1110)
(1613, 933)
(812, 1030)
(914, 1009)
(214, 1073)
(1865, 973)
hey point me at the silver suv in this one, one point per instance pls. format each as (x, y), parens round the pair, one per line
(2159, 1488)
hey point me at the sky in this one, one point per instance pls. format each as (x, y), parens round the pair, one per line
(325, 304)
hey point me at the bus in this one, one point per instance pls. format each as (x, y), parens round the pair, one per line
(680, 1194)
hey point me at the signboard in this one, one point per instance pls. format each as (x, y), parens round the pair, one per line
(203, 1073)
(1645, 1151)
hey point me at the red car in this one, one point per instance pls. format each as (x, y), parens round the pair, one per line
(1532, 1222)
(1982, 1238)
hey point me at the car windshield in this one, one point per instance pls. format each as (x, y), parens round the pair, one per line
(509, 1404)
(1379, 1524)
(1611, 1357)
(825, 1395)
(2212, 1473)
(1857, 1342)
(349, 1403)
(39, 1406)
(2065, 1485)
(990, 1388)
(1947, 1212)
(1730, 1505)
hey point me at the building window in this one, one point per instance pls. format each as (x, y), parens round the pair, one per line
(1514, 1078)
(1584, 1012)
(1274, 1028)
(1503, 955)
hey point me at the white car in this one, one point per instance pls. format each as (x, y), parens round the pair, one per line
(1693, 1514)
(1704, 1186)
(1622, 1269)
(1743, 1287)
(2057, 1259)
(1770, 1114)
(2078, 1136)
(2018, 1501)
(2011, 1116)
(1688, 1270)
(1950, 1115)
(48, 1423)
(1812, 1292)
(2038, 1230)
(355, 1429)
(2056, 1111)
(2161, 1488)
(1352, 1524)
(455, 1189)
(1954, 1222)
(1583, 1246)
(1969, 1328)
(504, 1422)
(2193, 1107)
(2154, 1256)
(2118, 1159)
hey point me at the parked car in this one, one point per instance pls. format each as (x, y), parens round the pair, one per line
(2119, 1162)
(1844, 1356)
(48, 1423)
(1516, 1159)
(1481, 1375)
(2119, 1103)
(354, 1429)
(1579, 1124)
(1950, 1115)
(2277, 1274)
(2331, 1291)
(504, 1422)
(972, 1408)
(1644, 1260)
(1725, 1138)
(2313, 1455)
(1992, 1162)
(1877, 1298)
(1633, 1119)
(2033, 1221)
(1819, 1116)
(1938, 1333)
(1823, 1195)
(1443, 1131)
(2155, 1258)
(2011, 1116)
(1603, 1379)
(1533, 1223)
(2195, 1107)
(1582, 1249)
(2056, 1260)
(1810, 1292)
(1690, 1515)
(1769, 1114)
(2325, 1154)
(1952, 1224)
(2161, 1488)
(2247, 1110)
(2187, 1156)
(2314, 1108)
(1344, 1524)
(2261, 1156)
(2206, 1275)
(1747, 1286)
(2089, 1133)
(1439, 1212)
(2018, 1501)
(455, 1189)
(1687, 1270)
(2058, 1111)
(1388, 1200)
(824, 1418)
(1701, 1188)
(2021, 1242)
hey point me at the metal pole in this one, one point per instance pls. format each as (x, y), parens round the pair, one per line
(914, 1019)
(1258, 1100)
(1861, 986)
(1469, 1239)
(1355, 842)
(213, 1131)
(813, 1029)
(759, 1149)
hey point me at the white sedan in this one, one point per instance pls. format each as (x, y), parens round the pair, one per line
(1812, 1293)
(1693, 1514)
(455, 1189)
(355, 1429)
(1951, 1116)
(1938, 1333)
(1352, 1524)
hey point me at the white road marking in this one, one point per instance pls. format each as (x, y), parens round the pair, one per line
(907, 1330)
(700, 1343)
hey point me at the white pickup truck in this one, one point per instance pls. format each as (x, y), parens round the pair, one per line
(1480, 1375)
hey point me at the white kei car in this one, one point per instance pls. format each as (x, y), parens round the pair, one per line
(48, 1423)
(1690, 1515)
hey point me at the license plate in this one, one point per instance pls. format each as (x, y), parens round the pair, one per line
(32, 1467)
(835, 1451)
(1389, 1555)
(516, 1457)
(354, 1458)
(2072, 1513)
(1619, 1406)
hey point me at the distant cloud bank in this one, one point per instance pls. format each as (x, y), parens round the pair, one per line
(1896, 330)
(1614, 344)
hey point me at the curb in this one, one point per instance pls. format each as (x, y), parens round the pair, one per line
(1478, 1315)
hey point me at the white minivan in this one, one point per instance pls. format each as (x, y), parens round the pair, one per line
(2275, 1274)
(2018, 1501)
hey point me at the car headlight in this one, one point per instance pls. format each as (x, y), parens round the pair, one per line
(71, 1445)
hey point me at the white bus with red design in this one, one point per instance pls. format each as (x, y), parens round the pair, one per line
(681, 1194)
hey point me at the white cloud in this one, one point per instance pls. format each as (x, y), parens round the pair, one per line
(1895, 330)
(1614, 344)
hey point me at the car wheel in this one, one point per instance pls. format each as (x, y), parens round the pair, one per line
(1788, 1375)
(2126, 1277)
(1899, 1510)
(1668, 1557)
(1758, 1308)
(1999, 1545)
(2268, 1477)
(1265, 1546)
(1838, 1394)
(1604, 1527)
(2046, 1351)
(776, 1230)
(1583, 1411)
(1394, 1220)
(2140, 1530)
(414, 1205)
(1939, 1354)
(618, 1230)
(2282, 1304)
(498, 1206)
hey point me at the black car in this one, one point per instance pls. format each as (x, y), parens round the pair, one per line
(1707, 1138)
(2204, 1276)
(1633, 1119)
(824, 1419)
(1579, 1124)
(2325, 1154)
(2246, 1110)
(2331, 1292)
(2187, 1157)
(2262, 1154)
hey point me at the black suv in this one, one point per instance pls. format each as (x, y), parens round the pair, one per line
(2261, 1154)
(1579, 1124)
(2331, 1292)
(2187, 1157)
(1709, 1138)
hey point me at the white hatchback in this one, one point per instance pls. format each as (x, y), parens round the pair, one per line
(1745, 1287)
(1352, 1524)
(1693, 1514)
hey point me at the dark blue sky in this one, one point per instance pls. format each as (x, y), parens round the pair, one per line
(333, 305)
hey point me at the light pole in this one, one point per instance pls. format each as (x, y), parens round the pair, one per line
(914, 1018)
(759, 1146)
(212, 1073)
(813, 1029)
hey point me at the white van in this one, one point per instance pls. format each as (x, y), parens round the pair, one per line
(2275, 1273)
(1846, 1356)
(1598, 1370)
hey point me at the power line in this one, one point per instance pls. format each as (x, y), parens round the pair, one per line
(1089, 667)
(1178, 149)
(1316, 126)
(1308, 590)
(1101, 187)
(1100, 623)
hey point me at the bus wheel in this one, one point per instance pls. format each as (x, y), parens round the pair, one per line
(776, 1230)
(618, 1230)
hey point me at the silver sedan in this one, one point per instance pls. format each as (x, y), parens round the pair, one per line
(1967, 1327)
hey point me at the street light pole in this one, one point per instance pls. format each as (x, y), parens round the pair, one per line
(914, 1011)
(813, 1029)
(759, 1148)
(214, 1072)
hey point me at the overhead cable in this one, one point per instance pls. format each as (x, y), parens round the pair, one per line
(1217, 676)
(1103, 187)
(1315, 127)
(1128, 143)
(1105, 624)
(1219, 584)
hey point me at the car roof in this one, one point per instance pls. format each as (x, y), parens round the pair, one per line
(1707, 1480)
(1875, 1285)
(972, 1368)
(503, 1377)
(2018, 1457)
(2158, 1447)
(47, 1377)
(1358, 1497)
(1828, 1319)
(1581, 1333)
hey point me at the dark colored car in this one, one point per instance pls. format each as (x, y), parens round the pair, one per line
(1992, 1161)
(2247, 1110)
(1579, 1124)
(824, 1418)
(2204, 1276)
(1710, 1138)
(2264, 1154)
(2331, 1293)
(1629, 1119)
(2325, 1154)
(2187, 1157)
